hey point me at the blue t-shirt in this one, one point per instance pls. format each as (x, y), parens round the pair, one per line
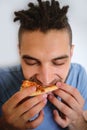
(11, 79)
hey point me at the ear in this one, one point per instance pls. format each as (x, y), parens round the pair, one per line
(71, 50)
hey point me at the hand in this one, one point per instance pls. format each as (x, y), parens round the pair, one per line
(71, 107)
(20, 108)
(85, 115)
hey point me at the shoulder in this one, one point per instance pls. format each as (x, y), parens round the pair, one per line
(10, 80)
(77, 75)
(77, 69)
(76, 66)
(10, 71)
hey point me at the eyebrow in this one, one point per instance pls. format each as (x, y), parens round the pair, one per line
(61, 57)
(30, 58)
(33, 58)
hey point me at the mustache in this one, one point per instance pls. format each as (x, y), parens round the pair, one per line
(34, 79)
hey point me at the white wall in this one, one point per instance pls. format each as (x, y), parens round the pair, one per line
(8, 30)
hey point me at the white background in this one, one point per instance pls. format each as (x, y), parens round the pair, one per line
(8, 30)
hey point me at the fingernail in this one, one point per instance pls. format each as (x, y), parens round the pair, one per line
(45, 100)
(50, 96)
(33, 88)
(59, 84)
(42, 112)
(44, 95)
(55, 112)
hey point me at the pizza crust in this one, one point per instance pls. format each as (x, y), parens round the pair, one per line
(39, 89)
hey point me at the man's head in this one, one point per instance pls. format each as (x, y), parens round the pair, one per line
(45, 42)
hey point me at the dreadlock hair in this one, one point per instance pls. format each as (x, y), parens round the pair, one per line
(43, 16)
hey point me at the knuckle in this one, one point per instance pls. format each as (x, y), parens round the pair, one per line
(10, 119)
(32, 125)
(3, 108)
(40, 97)
(64, 108)
(42, 105)
(31, 113)
(83, 101)
(17, 96)
(26, 105)
(65, 124)
(74, 91)
(69, 99)
(36, 122)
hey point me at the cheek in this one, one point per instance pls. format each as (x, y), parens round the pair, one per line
(27, 71)
(62, 71)
(66, 71)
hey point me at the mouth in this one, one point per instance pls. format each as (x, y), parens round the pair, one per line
(54, 82)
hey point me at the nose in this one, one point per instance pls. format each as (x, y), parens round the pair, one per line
(47, 75)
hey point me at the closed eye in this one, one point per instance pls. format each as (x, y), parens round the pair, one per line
(30, 61)
(58, 63)
(60, 60)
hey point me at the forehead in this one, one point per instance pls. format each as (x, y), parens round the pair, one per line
(53, 43)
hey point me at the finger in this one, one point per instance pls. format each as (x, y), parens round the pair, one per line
(35, 110)
(66, 110)
(62, 122)
(85, 115)
(17, 97)
(70, 100)
(28, 104)
(36, 122)
(71, 90)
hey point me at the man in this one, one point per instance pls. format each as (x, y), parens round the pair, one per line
(45, 48)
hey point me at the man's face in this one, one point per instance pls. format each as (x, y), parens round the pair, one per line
(45, 57)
